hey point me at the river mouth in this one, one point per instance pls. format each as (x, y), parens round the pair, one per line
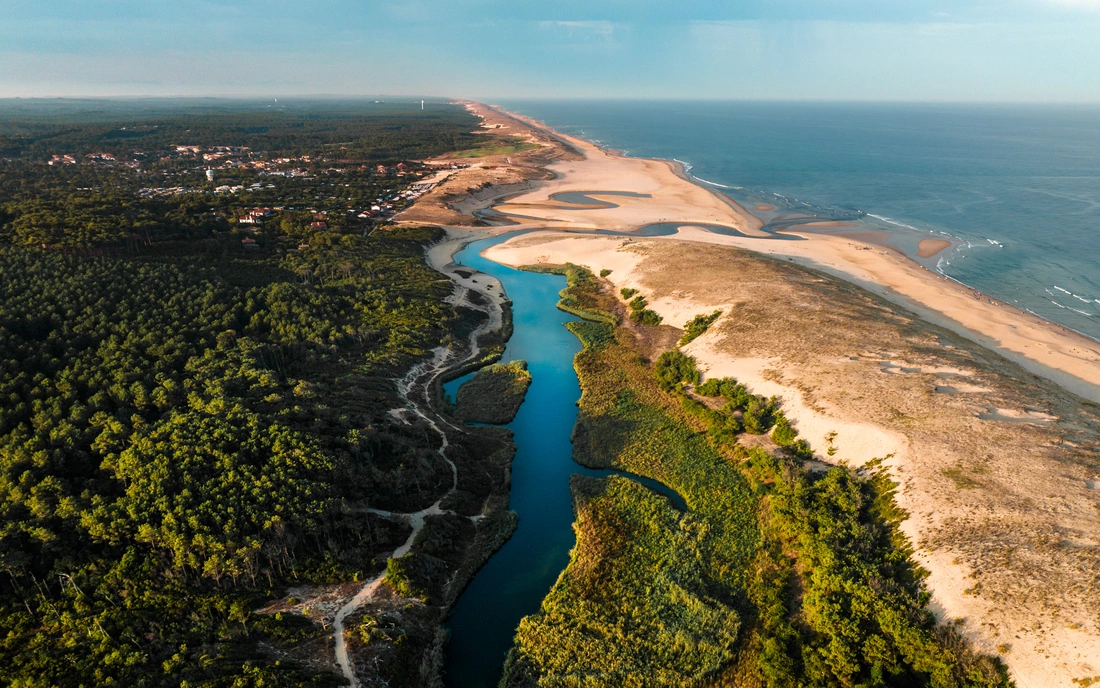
(512, 584)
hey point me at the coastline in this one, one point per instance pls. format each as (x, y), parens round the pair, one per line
(1043, 348)
(947, 313)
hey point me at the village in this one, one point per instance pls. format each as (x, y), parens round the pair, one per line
(257, 190)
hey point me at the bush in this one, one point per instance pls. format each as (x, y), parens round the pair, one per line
(638, 303)
(783, 434)
(697, 326)
(675, 367)
(646, 317)
(605, 272)
(627, 293)
(759, 415)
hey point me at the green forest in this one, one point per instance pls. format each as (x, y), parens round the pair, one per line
(774, 576)
(190, 424)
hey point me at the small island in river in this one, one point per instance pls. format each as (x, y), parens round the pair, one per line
(494, 394)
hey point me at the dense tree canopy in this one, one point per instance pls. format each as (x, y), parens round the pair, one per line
(187, 421)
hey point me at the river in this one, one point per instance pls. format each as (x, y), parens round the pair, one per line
(515, 580)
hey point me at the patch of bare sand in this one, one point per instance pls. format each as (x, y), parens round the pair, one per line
(926, 248)
(1001, 511)
(670, 195)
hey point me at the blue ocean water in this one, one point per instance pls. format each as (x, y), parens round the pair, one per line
(1017, 187)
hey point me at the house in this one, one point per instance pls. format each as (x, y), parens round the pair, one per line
(255, 216)
(318, 225)
(249, 242)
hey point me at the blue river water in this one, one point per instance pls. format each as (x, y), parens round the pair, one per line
(1017, 187)
(512, 584)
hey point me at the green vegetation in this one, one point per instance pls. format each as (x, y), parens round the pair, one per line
(679, 633)
(315, 162)
(627, 293)
(510, 146)
(494, 394)
(353, 129)
(640, 314)
(674, 368)
(575, 298)
(605, 272)
(809, 580)
(697, 326)
(189, 424)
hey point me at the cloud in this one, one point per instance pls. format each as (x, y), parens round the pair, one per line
(583, 30)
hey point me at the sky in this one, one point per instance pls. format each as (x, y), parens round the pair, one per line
(877, 50)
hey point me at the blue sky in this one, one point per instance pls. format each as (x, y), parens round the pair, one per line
(1000, 50)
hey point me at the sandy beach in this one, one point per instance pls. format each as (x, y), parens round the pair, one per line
(1043, 348)
(918, 368)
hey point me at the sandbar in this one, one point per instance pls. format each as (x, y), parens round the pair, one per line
(930, 247)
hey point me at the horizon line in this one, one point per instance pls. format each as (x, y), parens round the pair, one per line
(489, 100)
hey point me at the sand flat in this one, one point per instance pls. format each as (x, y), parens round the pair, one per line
(1043, 348)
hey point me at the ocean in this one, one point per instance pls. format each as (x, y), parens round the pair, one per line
(1015, 187)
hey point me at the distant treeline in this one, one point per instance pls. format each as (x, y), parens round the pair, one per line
(374, 132)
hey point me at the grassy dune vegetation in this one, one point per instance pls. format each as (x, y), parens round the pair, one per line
(794, 578)
(494, 394)
(494, 147)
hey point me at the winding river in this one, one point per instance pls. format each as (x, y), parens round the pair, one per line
(512, 584)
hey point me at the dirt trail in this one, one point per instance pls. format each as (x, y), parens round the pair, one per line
(414, 390)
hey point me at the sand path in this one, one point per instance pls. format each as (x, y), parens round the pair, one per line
(413, 390)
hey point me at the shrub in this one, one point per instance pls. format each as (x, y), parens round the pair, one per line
(675, 367)
(783, 434)
(627, 293)
(605, 272)
(646, 317)
(759, 415)
(697, 326)
(638, 303)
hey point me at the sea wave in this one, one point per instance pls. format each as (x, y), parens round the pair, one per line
(893, 222)
(1076, 296)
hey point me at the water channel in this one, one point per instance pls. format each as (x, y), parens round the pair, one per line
(512, 584)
